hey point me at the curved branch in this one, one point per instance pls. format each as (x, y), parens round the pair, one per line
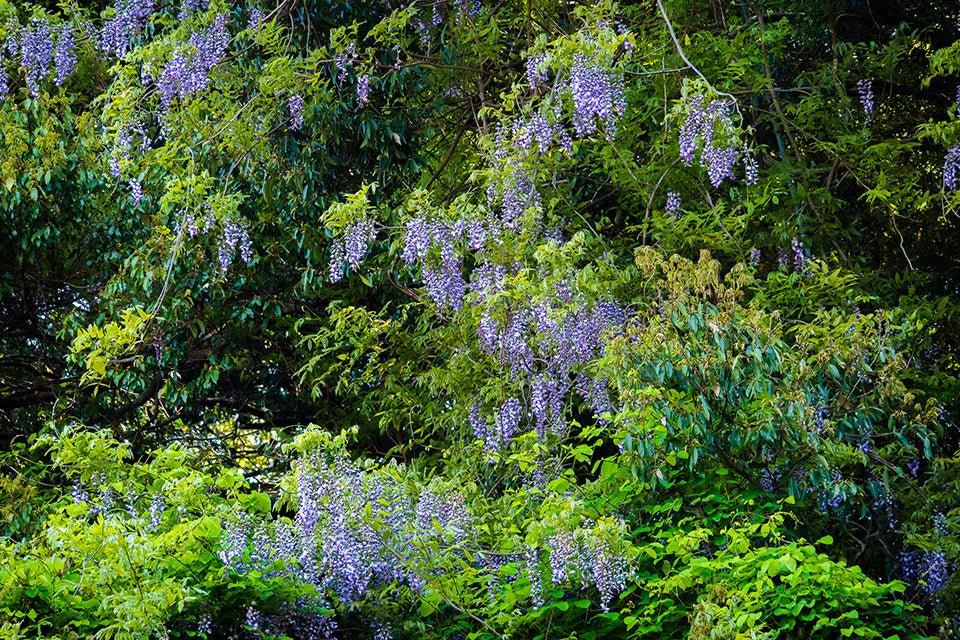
(690, 65)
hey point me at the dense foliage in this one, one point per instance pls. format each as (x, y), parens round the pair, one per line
(463, 319)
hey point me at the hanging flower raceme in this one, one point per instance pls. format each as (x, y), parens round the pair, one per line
(130, 19)
(363, 90)
(951, 169)
(295, 111)
(865, 92)
(188, 71)
(598, 95)
(36, 54)
(708, 136)
(348, 251)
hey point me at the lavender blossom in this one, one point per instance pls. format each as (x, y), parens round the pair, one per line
(519, 195)
(256, 19)
(233, 235)
(363, 90)
(79, 494)
(597, 94)
(799, 255)
(64, 57)
(951, 169)
(546, 406)
(36, 54)
(189, 7)
(698, 132)
(508, 421)
(609, 572)
(865, 92)
(532, 565)
(158, 505)
(188, 72)
(357, 238)
(343, 61)
(750, 169)
(295, 109)
(136, 192)
(673, 204)
(338, 257)
(928, 570)
(234, 543)
(564, 555)
(130, 18)
(536, 71)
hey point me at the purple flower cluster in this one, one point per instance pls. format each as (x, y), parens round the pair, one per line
(544, 346)
(234, 236)
(927, 570)
(769, 479)
(884, 501)
(64, 56)
(564, 556)
(36, 54)
(673, 204)
(443, 268)
(536, 71)
(188, 72)
(754, 257)
(546, 404)
(799, 253)
(951, 169)
(865, 92)
(819, 415)
(508, 420)
(445, 285)
(470, 7)
(751, 171)
(295, 109)
(590, 558)
(233, 544)
(40, 54)
(534, 571)
(158, 505)
(608, 571)
(443, 515)
(343, 61)
(354, 555)
(486, 279)
(79, 494)
(506, 426)
(303, 619)
(598, 93)
(363, 90)
(256, 19)
(517, 195)
(136, 193)
(205, 625)
(357, 530)
(698, 132)
(347, 252)
(131, 16)
(493, 564)
(594, 390)
(832, 498)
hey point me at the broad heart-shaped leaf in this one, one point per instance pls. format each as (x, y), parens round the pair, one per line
(258, 502)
